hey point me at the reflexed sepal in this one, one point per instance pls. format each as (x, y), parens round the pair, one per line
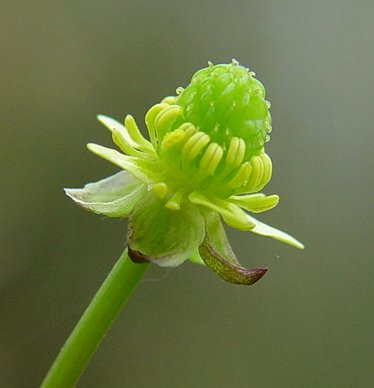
(163, 236)
(114, 196)
(217, 254)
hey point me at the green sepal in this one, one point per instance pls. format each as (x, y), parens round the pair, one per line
(163, 236)
(268, 231)
(231, 213)
(218, 255)
(196, 258)
(114, 196)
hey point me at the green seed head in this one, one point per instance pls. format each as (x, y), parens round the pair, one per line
(225, 101)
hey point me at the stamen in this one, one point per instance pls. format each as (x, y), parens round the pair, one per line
(150, 121)
(160, 189)
(169, 100)
(211, 158)
(268, 169)
(241, 177)
(171, 112)
(257, 172)
(235, 153)
(174, 202)
(189, 129)
(195, 144)
(173, 138)
(121, 142)
(255, 203)
(136, 135)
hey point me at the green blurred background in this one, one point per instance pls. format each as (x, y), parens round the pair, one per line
(310, 321)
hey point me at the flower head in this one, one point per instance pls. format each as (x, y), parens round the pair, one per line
(205, 161)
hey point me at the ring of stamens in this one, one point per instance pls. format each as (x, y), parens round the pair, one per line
(195, 163)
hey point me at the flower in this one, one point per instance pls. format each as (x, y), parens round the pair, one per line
(205, 161)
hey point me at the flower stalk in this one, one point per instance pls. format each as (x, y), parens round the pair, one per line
(94, 324)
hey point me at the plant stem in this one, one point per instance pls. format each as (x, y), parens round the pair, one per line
(94, 324)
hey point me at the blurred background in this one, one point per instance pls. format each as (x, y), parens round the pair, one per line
(310, 321)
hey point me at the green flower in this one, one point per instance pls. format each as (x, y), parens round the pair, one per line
(205, 161)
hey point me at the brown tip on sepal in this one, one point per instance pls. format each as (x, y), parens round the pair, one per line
(137, 257)
(256, 274)
(230, 271)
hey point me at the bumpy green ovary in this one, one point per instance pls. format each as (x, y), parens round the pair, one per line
(225, 101)
(210, 138)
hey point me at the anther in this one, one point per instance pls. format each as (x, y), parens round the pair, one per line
(211, 158)
(236, 151)
(174, 202)
(267, 169)
(135, 134)
(172, 139)
(195, 144)
(121, 142)
(171, 100)
(150, 121)
(241, 177)
(256, 174)
(171, 112)
(189, 129)
(160, 189)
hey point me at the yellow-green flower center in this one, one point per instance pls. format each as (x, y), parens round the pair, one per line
(210, 137)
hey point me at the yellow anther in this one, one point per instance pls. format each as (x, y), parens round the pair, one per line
(255, 203)
(150, 121)
(174, 202)
(121, 142)
(135, 133)
(160, 189)
(211, 158)
(267, 169)
(168, 114)
(173, 138)
(199, 145)
(189, 129)
(169, 100)
(256, 173)
(241, 177)
(236, 151)
(195, 144)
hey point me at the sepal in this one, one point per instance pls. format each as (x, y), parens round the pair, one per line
(196, 258)
(217, 254)
(163, 236)
(114, 196)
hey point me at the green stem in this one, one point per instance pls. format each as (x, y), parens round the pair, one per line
(95, 322)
